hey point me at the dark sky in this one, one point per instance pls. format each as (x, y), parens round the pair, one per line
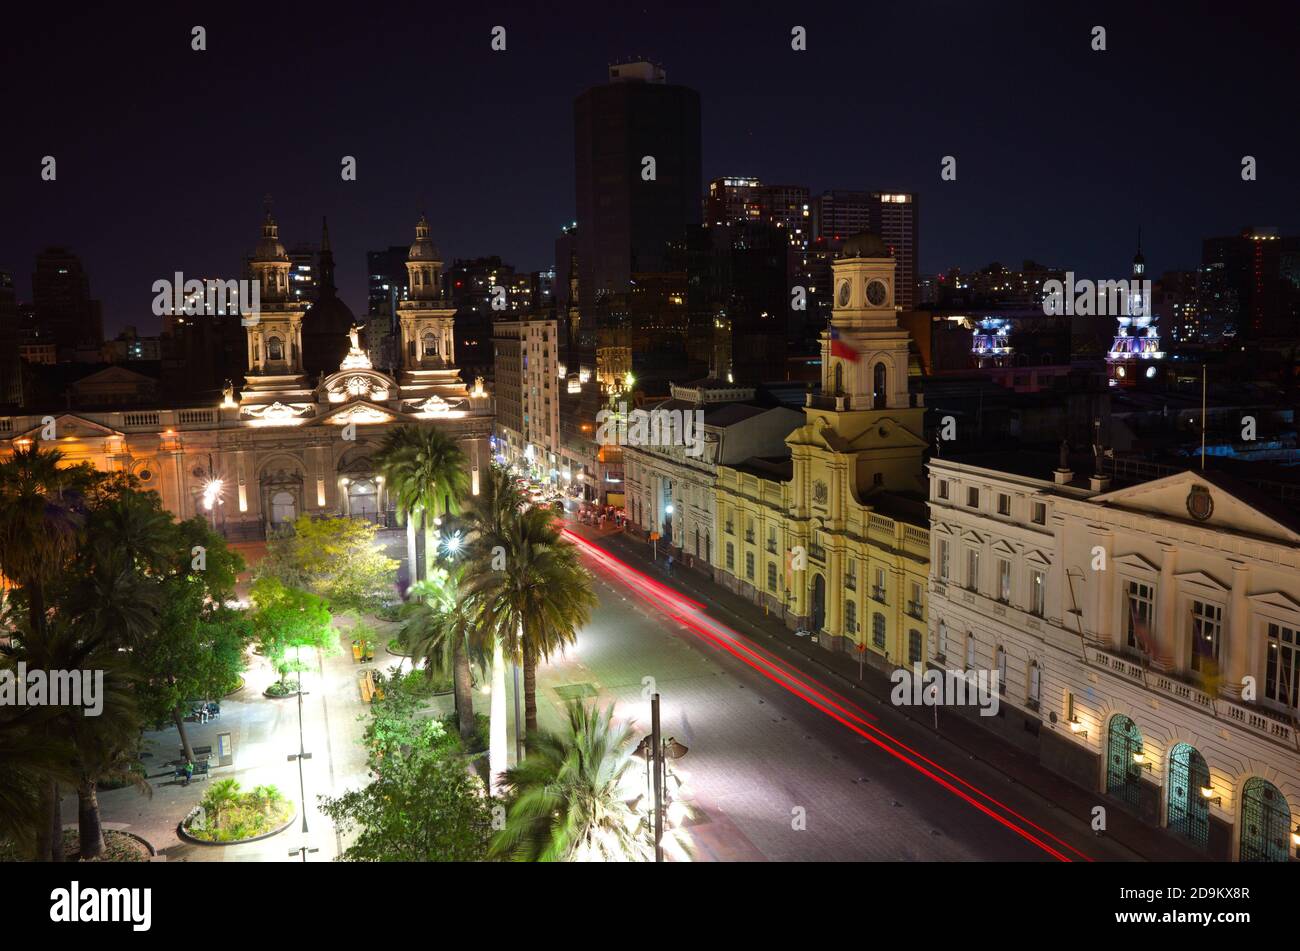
(164, 154)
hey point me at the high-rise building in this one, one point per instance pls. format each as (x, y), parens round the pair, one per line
(637, 157)
(739, 200)
(64, 308)
(526, 387)
(895, 216)
(1249, 266)
(10, 361)
(839, 213)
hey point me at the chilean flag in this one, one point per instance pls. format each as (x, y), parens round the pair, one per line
(842, 350)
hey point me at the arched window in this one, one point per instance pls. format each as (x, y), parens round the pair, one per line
(850, 617)
(878, 386)
(942, 645)
(274, 349)
(839, 379)
(970, 650)
(1002, 669)
(1035, 684)
(878, 630)
(914, 643)
(429, 344)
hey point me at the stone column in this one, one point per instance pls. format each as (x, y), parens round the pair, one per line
(1235, 654)
(1165, 636)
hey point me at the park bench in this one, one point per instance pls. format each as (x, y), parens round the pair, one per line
(200, 752)
(201, 768)
(367, 687)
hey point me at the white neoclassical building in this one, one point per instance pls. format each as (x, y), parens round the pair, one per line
(1147, 637)
(670, 487)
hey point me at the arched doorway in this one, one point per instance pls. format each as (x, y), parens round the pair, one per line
(1123, 776)
(1265, 823)
(363, 499)
(284, 507)
(1188, 812)
(818, 615)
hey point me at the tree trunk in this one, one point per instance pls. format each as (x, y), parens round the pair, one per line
(90, 831)
(56, 827)
(411, 566)
(530, 690)
(430, 545)
(180, 727)
(464, 685)
(45, 838)
(497, 732)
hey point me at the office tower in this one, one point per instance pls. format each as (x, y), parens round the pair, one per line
(627, 219)
(740, 200)
(64, 309)
(838, 214)
(10, 362)
(895, 217)
(1249, 266)
(304, 277)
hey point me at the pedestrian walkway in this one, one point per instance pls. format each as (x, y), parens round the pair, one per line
(1139, 839)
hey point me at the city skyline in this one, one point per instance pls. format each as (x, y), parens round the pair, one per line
(1010, 169)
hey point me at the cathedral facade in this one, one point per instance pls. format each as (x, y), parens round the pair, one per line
(286, 444)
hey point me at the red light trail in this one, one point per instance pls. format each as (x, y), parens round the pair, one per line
(692, 615)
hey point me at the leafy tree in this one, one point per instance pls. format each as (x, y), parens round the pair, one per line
(337, 558)
(423, 804)
(286, 618)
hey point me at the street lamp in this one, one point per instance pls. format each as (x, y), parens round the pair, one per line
(656, 750)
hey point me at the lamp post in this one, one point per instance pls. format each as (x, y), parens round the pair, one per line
(656, 751)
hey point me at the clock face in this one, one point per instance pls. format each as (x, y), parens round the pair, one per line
(844, 293)
(877, 293)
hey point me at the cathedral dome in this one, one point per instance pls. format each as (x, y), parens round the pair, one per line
(864, 244)
(423, 249)
(269, 247)
(327, 322)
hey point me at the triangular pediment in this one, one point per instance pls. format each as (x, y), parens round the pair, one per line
(361, 412)
(1135, 562)
(1036, 557)
(70, 425)
(1201, 579)
(1278, 601)
(116, 374)
(1210, 499)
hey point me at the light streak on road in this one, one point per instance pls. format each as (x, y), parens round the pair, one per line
(693, 616)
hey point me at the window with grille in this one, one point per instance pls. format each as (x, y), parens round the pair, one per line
(731, 557)
(914, 647)
(771, 576)
(878, 630)
(749, 565)
(850, 617)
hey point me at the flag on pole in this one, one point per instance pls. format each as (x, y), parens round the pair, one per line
(842, 350)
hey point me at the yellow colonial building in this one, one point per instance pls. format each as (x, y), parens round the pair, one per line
(835, 535)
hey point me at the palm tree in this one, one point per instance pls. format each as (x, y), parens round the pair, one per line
(426, 471)
(570, 799)
(442, 627)
(537, 604)
(41, 522)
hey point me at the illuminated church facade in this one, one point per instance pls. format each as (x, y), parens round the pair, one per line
(287, 444)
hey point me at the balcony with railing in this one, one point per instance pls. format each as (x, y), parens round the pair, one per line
(877, 593)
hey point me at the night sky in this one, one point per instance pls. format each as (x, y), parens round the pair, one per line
(164, 154)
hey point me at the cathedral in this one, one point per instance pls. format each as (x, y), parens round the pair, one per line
(297, 435)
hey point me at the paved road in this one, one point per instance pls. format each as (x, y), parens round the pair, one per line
(784, 768)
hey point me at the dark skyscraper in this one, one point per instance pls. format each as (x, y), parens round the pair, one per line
(1248, 267)
(64, 310)
(895, 216)
(626, 221)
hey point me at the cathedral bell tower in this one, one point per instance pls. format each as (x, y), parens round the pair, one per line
(427, 332)
(275, 337)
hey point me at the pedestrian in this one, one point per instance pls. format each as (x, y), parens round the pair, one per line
(189, 771)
